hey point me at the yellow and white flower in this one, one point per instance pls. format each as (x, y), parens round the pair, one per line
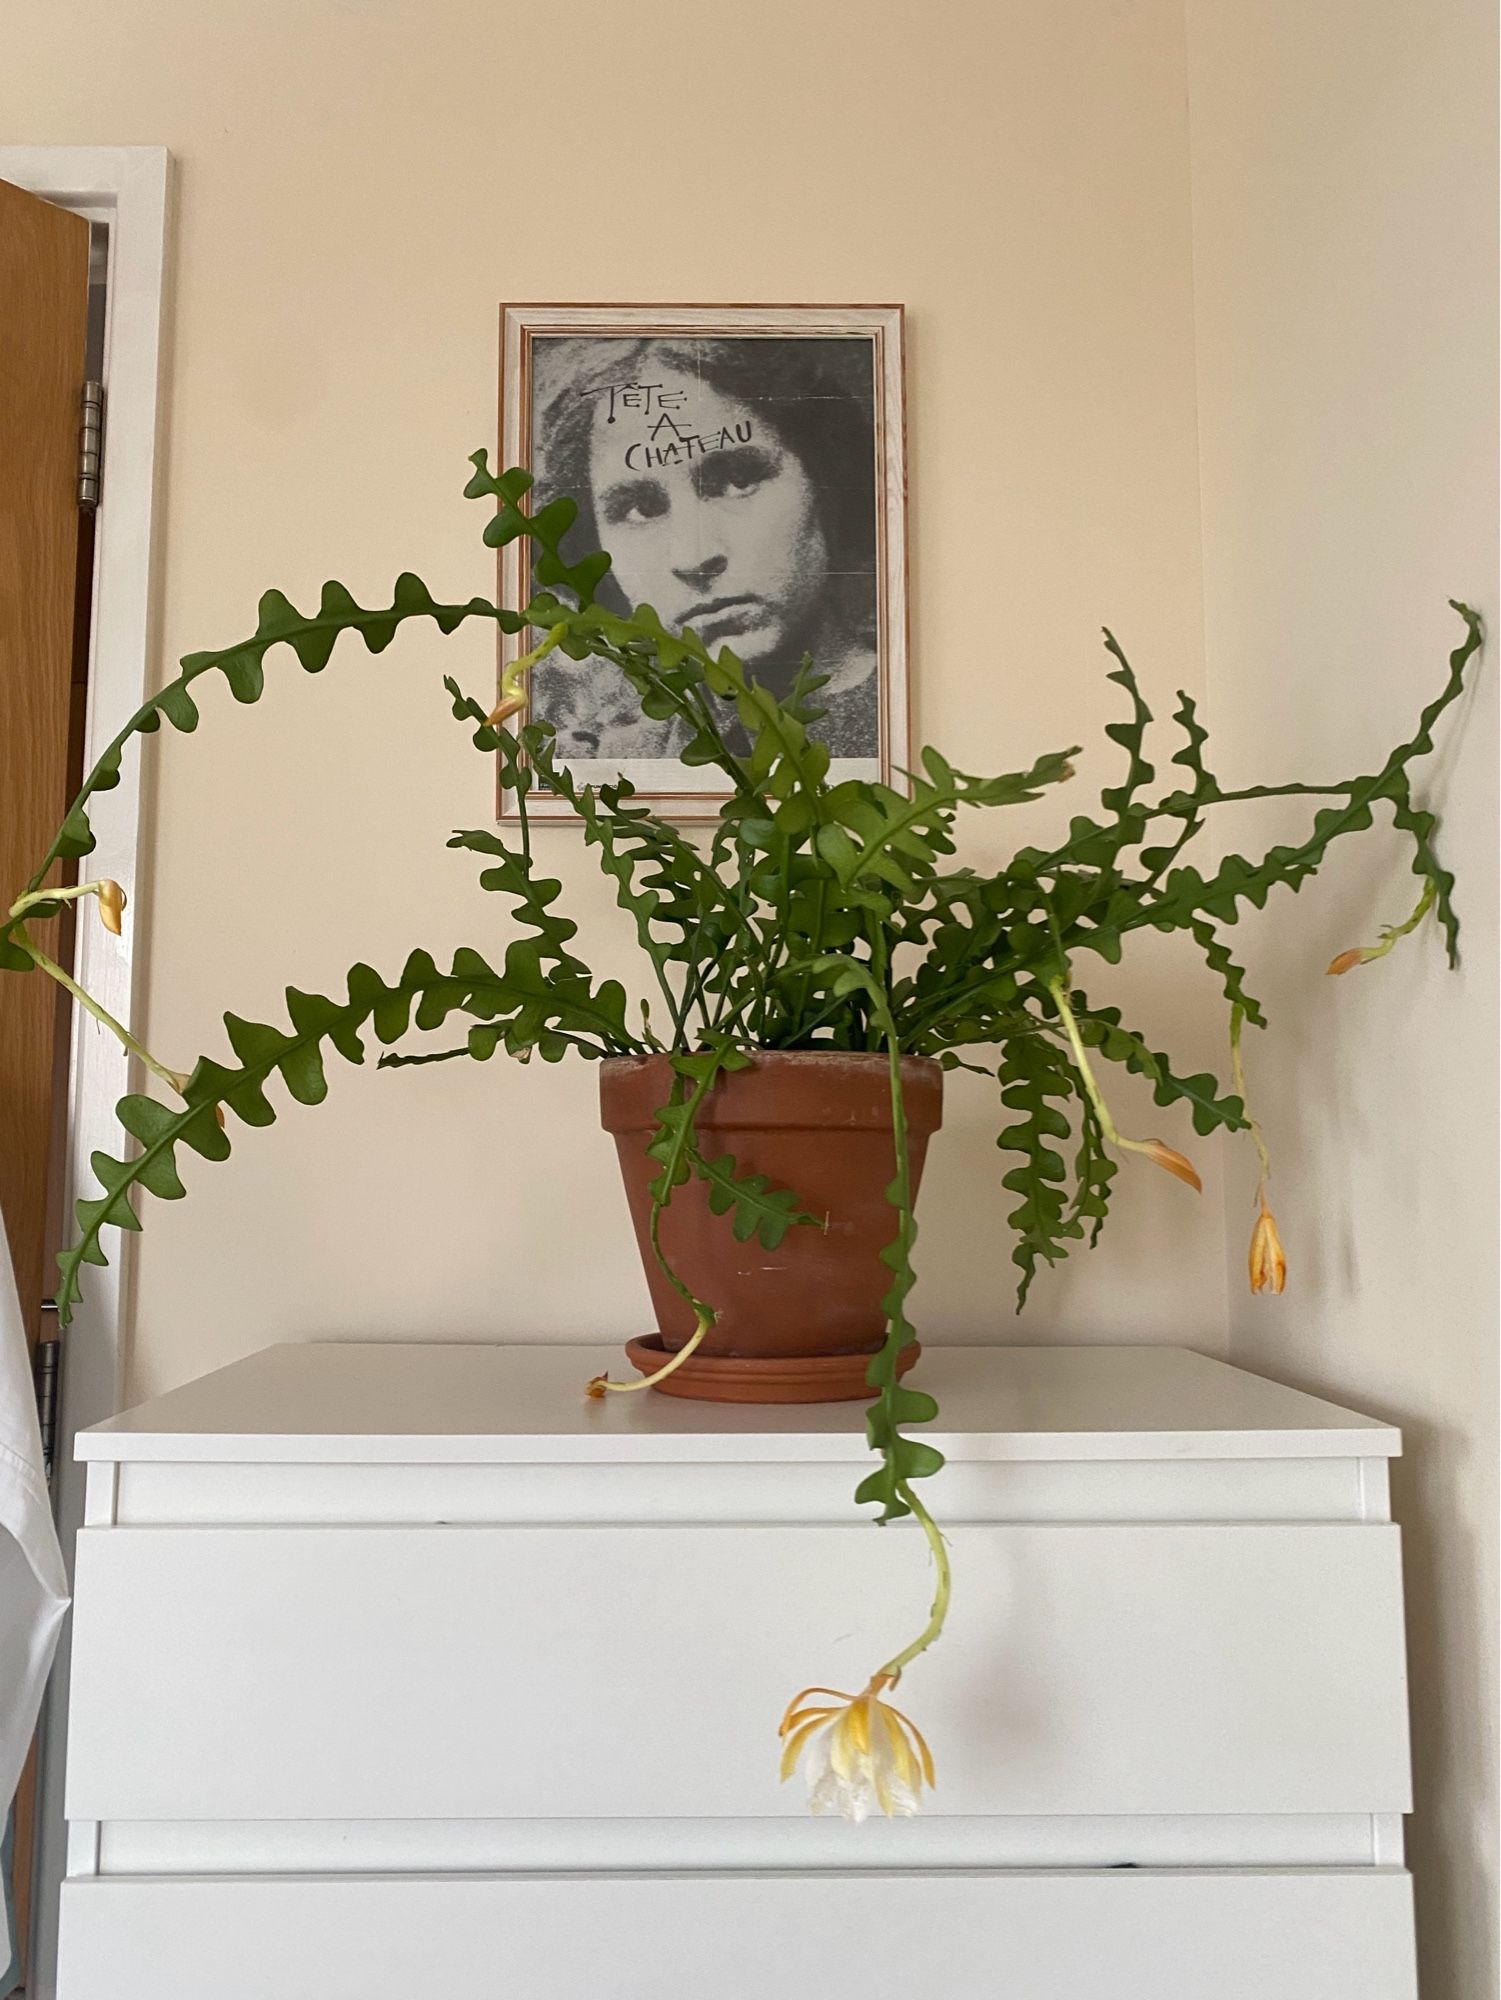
(861, 1754)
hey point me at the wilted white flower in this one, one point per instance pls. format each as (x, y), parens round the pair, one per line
(860, 1754)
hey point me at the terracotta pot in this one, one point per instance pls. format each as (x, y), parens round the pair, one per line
(817, 1123)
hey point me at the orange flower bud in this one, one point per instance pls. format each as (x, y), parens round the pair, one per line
(1172, 1162)
(1346, 961)
(505, 708)
(1268, 1264)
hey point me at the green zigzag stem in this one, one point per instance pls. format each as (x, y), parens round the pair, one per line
(900, 1332)
(147, 717)
(667, 1180)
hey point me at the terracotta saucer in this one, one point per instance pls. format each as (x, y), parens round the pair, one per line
(731, 1378)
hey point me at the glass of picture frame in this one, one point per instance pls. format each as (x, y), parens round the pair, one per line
(745, 466)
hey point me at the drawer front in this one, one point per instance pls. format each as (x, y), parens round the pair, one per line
(480, 1672)
(1139, 1936)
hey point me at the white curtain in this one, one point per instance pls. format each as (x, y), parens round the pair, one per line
(33, 1582)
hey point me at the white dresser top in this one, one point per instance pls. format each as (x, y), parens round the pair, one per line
(418, 1403)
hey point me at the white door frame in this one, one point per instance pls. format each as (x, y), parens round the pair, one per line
(127, 189)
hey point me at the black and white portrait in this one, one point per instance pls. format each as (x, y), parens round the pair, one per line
(740, 481)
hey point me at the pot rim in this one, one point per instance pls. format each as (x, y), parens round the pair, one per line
(814, 1090)
(759, 1055)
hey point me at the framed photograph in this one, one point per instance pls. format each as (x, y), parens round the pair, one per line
(745, 466)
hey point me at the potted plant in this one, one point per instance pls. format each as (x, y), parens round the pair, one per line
(818, 961)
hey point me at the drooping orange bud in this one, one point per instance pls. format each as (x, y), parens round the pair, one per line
(505, 708)
(596, 1388)
(1268, 1264)
(1391, 934)
(111, 905)
(1172, 1162)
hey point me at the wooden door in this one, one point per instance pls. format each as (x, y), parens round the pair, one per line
(44, 292)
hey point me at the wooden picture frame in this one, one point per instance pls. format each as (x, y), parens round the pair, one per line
(745, 466)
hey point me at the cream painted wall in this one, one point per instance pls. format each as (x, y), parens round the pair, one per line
(359, 186)
(1345, 248)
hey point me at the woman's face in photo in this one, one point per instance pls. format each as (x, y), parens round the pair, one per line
(709, 517)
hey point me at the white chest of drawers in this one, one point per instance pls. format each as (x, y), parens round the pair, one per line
(407, 1671)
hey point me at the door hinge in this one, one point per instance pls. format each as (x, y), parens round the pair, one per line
(46, 1366)
(90, 442)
